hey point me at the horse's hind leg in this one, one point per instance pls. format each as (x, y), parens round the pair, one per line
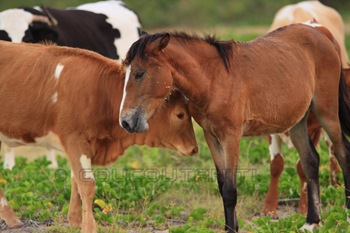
(341, 145)
(309, 159)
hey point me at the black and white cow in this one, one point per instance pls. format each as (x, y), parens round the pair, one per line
(106, 27)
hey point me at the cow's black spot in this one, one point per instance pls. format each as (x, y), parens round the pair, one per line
(4, 35)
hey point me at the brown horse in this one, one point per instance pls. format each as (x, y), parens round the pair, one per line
(268, 85)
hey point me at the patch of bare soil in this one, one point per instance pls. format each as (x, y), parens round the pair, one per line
(29, 226)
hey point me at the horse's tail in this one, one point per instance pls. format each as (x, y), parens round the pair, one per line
(344, 105)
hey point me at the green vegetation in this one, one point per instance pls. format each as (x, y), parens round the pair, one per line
(158, 189)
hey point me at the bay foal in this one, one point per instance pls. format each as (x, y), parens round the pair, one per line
(268, 85)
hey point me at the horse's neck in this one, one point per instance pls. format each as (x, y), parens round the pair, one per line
(190, 69)
(195, 70)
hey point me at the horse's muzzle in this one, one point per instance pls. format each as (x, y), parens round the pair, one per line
(134, 122)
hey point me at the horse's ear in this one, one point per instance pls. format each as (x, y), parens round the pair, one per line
(143, 33)
(164, 41)
(160, 42)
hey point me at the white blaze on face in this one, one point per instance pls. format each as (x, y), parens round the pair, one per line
(15, 22)
(3, 202)
(86, 166)
(127, 76)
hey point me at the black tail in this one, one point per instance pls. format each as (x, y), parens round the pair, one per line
(344, 106)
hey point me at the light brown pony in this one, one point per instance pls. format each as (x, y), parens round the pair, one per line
(69, 99)
(328, 17)
(237, 89)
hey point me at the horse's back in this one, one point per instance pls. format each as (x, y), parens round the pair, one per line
(288, 67)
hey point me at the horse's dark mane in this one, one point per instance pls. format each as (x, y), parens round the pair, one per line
(224, 48)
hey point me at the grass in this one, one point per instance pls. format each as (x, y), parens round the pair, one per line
(149, 189)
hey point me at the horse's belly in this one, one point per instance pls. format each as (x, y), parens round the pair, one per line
(275, 122)
(257, 128)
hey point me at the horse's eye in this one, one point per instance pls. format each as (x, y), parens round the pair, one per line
(139, 74)
(180, 115)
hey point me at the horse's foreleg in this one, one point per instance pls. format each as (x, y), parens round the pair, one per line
(276, 169)
(309, 159)
(226, 161)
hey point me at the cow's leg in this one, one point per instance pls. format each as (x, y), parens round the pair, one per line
(8, 214)
(303, 189)
(225, 156)
(51, 156)
(276, 169)
(74, 213)
(9, 161)
(80, 161)
(309, 159)
(333, 163)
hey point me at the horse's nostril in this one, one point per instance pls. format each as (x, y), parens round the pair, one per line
(126, 125)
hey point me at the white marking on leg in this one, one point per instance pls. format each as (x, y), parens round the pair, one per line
(309, 227)
(86, 166)
(3, 202)
(71, 174)
(304, 189)
(274, 147)
(58, 71)
(286, 139)
(51, 156)
(9, 161)
(127, 76)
